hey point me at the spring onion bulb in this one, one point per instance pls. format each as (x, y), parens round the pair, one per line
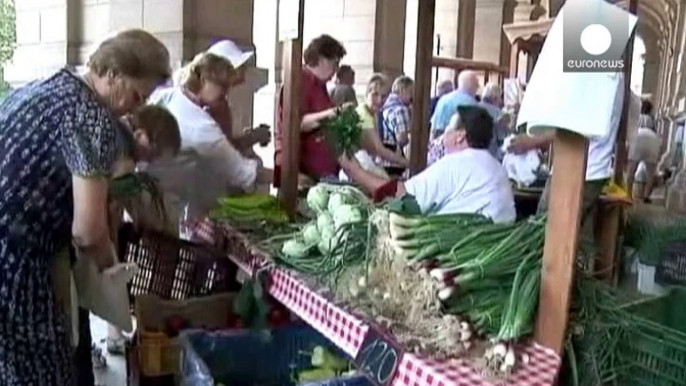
(464, 326)
(362, 282)
(446, 293)
(510, 357)
(525, 358)
(465, 335)
(499, 351)
(467, 344)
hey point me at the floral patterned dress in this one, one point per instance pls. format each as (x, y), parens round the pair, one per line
(49, 130)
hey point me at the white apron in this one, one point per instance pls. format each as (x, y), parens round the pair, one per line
(219, 169)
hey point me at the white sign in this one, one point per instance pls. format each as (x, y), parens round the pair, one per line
(289, 12)
(582, 102)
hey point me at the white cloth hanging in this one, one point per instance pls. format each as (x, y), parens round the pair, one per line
(582, 102)
(521, 168)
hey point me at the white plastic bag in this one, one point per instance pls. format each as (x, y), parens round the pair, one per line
(105, 293)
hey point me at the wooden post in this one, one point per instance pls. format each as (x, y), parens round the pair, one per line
(514, 59)
(505, 46)
(608, 222)
(291, 17)
(561, 241)
(466, 19)
(419, 135)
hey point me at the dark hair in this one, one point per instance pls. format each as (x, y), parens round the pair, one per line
(159, 125)
(344, 70)
(323, 47)
(646, 107)
(134, 53)
(477, 124)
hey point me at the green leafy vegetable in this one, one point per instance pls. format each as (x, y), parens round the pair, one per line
(344, 132)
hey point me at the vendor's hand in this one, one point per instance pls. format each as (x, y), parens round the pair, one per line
(344, 106)
(262, 135)
(521, 144)
(103, 257)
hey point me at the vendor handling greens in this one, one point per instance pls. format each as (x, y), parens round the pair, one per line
(317, 160)
(467, 180)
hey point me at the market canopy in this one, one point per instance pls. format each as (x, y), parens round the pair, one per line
(527, 30)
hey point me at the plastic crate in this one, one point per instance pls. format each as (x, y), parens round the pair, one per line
(244, 358)
(656, 354)
(174, 269)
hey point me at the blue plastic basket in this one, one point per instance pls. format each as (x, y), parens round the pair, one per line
(245, 358)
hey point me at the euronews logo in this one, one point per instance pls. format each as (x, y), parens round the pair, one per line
(593, 41)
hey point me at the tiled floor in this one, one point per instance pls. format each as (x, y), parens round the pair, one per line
(115, 373)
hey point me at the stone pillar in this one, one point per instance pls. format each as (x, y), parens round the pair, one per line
(372, 32)
(389, 35)
(42, 40)
(488, 30)
(352, 23)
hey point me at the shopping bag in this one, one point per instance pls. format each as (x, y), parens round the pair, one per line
(105, 293)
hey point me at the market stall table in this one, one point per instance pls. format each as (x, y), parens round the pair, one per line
(348, 331)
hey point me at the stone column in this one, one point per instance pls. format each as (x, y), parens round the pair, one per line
(42, 40)
(488, 30)
(389, 34)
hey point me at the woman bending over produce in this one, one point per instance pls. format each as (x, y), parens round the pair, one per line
(220, 168)
(467, 180)
(377, 91)
(58, 140)
(150, 133)
(317, 159)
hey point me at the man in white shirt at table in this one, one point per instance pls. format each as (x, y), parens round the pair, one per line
(468, 179)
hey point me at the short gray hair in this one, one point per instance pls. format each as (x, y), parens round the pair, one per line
(491, 91)
(401, 84)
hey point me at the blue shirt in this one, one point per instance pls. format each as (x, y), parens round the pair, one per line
(498, 132)
(447, 107)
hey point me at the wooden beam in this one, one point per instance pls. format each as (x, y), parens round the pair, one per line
(419, 135)
(466, 20)
(514, 60)
(505, 46)
(467, 64)
(561, 241)
(291, 18)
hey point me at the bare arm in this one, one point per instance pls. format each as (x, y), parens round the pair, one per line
(89, 227)
(372, 143)
(368, 181)
(312, 121)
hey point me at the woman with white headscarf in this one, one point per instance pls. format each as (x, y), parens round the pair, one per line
(210, 165)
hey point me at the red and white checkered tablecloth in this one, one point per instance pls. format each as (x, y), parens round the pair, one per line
(540, 371)
(348, 331)
(343, 329)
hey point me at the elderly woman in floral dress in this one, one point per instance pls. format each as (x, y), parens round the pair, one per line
(57, 149)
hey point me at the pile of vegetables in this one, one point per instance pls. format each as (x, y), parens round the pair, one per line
(488, 274)
(337, 239)
(133, 185)
(250, 208)
(325, 366)
(344, 132)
